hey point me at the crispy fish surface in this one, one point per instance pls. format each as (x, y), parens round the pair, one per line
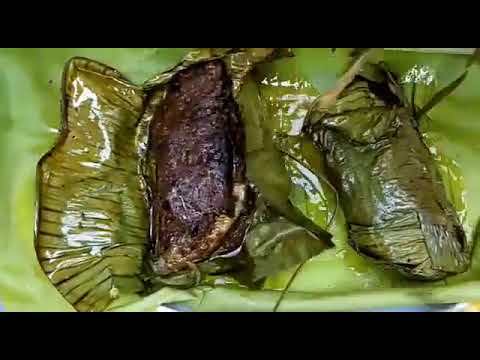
(200, 190)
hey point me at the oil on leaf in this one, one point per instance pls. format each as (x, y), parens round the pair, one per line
(30, 113)
(92, 219)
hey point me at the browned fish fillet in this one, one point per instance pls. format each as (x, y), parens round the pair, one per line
(199, 194)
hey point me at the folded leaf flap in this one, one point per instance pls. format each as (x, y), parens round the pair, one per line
(90, 197)
(239, 61)
(276, 244)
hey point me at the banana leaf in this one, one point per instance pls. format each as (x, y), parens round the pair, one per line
(92, 218)
(337, 279)
(390, 188)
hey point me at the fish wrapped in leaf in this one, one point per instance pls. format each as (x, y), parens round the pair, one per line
(195, 161)
(389, 186)
(92, 220)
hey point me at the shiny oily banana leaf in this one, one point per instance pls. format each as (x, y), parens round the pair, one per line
(270, 114)
(336, 279)
(391, 191)
(92, 222)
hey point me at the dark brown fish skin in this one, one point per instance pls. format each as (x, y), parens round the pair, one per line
(200, 197)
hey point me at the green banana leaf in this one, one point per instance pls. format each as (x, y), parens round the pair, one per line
(377, 158)
(337, 279)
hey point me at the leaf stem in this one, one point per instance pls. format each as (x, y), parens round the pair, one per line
(285, 289)
(329, 224)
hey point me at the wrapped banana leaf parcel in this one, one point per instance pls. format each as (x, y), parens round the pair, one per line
(390, 189)
(147, 187)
